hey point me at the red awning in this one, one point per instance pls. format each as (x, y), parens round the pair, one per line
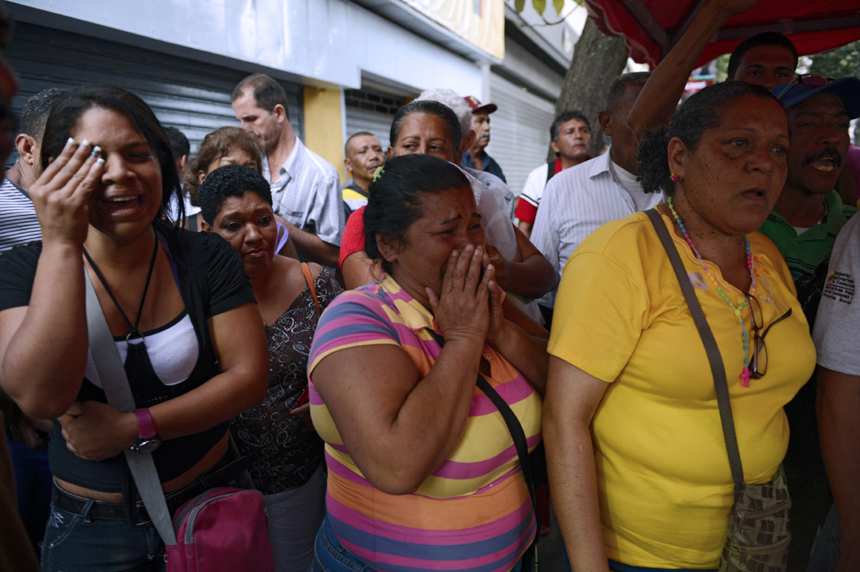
(651, 27)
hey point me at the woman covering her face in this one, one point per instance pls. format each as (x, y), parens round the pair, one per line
(638, 464)
(180, 308)
(421, 463)
(286, 454)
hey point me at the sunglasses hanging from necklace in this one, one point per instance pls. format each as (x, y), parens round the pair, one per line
(738, 310)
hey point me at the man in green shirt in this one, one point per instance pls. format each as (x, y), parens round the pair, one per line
(803, 225)
(809, 213)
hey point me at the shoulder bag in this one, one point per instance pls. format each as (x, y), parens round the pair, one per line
(222, 529)
(758, 534)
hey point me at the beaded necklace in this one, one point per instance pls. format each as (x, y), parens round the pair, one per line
(745, 374)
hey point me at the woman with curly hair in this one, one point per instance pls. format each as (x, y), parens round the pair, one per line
(637, 460)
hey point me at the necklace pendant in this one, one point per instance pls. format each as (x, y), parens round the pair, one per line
(745, 376)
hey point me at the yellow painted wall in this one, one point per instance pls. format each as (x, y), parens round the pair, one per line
(324, 125)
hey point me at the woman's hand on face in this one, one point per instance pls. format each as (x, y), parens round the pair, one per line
(497, 315)
(499, 263)
(461, 309)
(62, 193)
(96, 431)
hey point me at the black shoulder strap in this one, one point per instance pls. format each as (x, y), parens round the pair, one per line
(521, 444)
(714, 357)
(550, 171)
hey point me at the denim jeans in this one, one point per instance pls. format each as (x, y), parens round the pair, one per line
(619, 567)
(295, 516)
(33, 481)
(76, 543)
(331, 556)
(825, 551)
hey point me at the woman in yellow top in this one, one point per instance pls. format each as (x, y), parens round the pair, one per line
(638, 466)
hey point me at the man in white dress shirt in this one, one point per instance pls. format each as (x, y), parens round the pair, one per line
(305, 187)
(580, 199)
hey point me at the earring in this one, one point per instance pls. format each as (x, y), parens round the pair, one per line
(675, 178)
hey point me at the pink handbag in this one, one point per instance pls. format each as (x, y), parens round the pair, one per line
(222, 529)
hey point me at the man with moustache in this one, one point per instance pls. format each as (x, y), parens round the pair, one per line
(363, 155)
(803, 225)
(570, 137)
(809, 213)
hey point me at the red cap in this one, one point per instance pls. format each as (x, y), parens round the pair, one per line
(476, 105)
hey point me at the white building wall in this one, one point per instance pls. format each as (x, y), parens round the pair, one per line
(320, 41)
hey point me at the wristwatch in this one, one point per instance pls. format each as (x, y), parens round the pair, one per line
(147, 437)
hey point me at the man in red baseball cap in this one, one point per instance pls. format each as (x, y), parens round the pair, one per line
(476, 158)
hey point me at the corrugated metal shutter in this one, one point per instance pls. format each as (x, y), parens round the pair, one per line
(192, 96)
(519, 130)
(370, 111)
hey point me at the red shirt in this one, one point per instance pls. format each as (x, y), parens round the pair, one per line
(526, 210)
(353, 236)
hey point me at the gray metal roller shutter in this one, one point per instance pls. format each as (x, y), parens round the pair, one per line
(192, 96)
(370, 111)
(519, 130)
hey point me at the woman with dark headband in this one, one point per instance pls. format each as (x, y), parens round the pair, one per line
(182, 313)
(638, 465)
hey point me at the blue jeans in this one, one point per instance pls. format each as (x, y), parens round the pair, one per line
(331, 556)
(825, 551)
(33, 481)
(76, 543)
(619, 567)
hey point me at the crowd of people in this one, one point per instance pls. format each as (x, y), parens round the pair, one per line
(663, 332)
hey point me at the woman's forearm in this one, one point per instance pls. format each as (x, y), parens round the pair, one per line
(396, 425)
(573, 486)
(45, 352)
(572, 399)
(239, 341)
(428, 426)
(530, 274)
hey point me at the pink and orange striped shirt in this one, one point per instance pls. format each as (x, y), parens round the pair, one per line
(474, 512)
